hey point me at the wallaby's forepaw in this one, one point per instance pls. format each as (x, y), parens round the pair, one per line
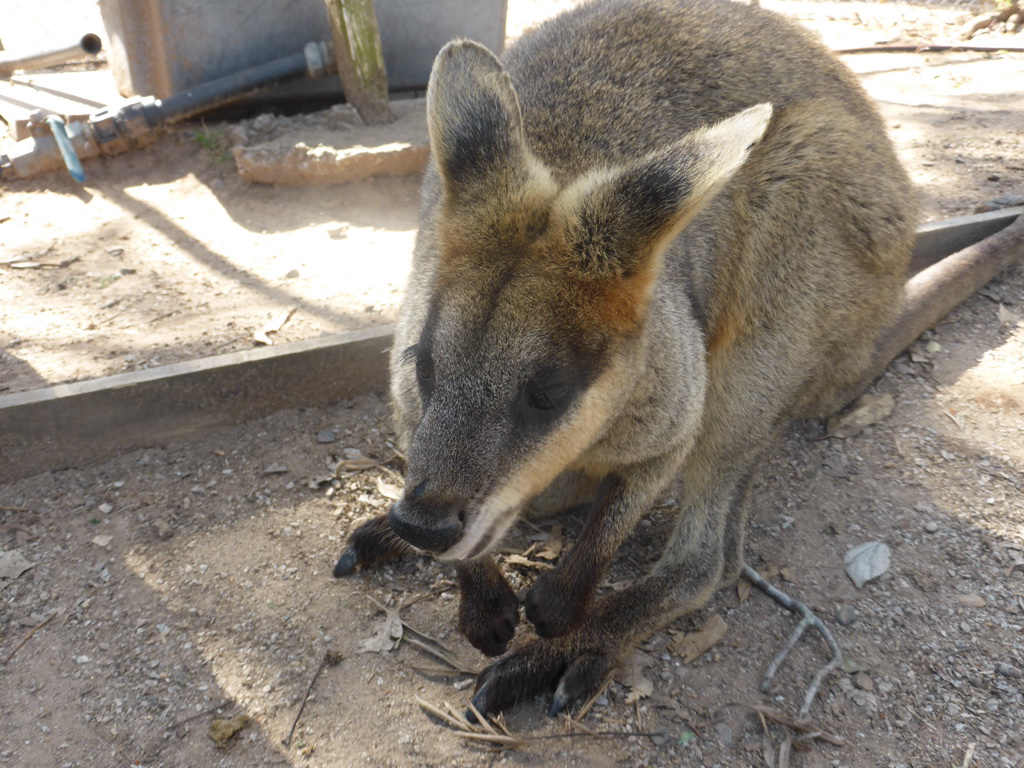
(488, 618)
(539, 666)
(554, 610)
(488, 608)
(371, 543)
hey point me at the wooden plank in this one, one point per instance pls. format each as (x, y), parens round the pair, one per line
(74, 424)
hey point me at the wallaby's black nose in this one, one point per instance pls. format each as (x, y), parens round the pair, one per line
(434, 529)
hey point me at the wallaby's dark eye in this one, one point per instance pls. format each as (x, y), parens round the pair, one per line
(425, 367)
(552, 397)
(425, 372)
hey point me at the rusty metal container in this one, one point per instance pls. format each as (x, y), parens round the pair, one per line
(162, 47)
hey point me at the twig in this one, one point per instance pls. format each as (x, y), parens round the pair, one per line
(767, 748)
(929, 47)
(442, 715)
(585, 709)
(480, 732)
(803, 727)
(330, 657)
(784, 751)
(808, 620)
(484, 723)
(31, 632)
(969, 756)
(197, 715)
(429, 645)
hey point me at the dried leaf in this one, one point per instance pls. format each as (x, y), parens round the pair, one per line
(355, 465)
(553, 546)
(1007, 317)
(954, 418)
(520, 560)
(691, 645)
(866, 410)
(273, 325)
(13, 564)
(388, 490)
(743, 588)
(221, 730)
(386, 633)
(632, 676)
(853, 666)
(866, 562)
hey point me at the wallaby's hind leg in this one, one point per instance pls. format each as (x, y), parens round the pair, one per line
(560, 599)
(371, 543)
(574, 664)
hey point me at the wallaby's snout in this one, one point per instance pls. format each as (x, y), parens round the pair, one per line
(425, 520)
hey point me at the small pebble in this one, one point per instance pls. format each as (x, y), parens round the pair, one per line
(845, 615)
(863, 681)
(1008, 670)
(725, 734)
(931, 527)
(163, 529)
(105, 508)
(972, 600)
(326, 436)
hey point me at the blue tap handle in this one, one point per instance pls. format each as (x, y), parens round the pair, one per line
(67, 151)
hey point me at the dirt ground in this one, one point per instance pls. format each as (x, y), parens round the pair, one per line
(192, 581)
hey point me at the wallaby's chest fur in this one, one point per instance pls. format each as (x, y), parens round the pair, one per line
(650, 234)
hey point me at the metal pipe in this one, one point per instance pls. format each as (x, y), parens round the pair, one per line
(195, 100)
(10, 61)
(118, 128)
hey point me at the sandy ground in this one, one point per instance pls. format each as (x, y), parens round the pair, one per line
(191, 581)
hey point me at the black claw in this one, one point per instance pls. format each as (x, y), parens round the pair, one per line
(346, 563)
(481, 700)
(559, 701)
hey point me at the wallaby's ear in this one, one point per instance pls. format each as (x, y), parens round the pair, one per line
(473, 114)
(617, 222)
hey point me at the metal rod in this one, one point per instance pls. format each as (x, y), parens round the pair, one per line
(12, 61)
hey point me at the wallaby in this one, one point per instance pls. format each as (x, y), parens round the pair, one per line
(651, 234)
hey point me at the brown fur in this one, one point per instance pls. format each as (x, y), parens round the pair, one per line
(626, 272)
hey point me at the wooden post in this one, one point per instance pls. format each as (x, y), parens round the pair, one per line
(360, 58)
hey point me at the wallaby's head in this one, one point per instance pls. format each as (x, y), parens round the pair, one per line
(539, 301)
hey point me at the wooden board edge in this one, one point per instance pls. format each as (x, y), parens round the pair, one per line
(71, 425)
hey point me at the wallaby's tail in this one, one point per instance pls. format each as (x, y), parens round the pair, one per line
(938, 289)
